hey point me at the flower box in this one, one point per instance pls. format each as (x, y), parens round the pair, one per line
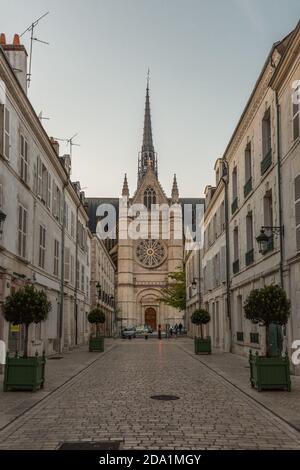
(96, 344)
(269, 373)
(24, 373)
(203, 345)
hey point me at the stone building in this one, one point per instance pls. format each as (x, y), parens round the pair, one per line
(286, 85)
(103, 284)
(214, 263)
(44, 237)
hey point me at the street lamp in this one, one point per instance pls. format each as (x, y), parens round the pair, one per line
(264, 240)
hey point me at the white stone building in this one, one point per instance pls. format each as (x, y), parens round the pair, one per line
(103, 284)
(214, 263)
(286, 85)
(194, 287)
(44, 235)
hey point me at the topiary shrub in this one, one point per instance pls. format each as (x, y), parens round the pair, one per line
(267, 305)
(200, 317)
(25, 306)
(97, 317)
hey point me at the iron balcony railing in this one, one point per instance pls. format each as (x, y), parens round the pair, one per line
(266, 162)
(234, 205)
(249, 257)
(248, 187)
(236, 266)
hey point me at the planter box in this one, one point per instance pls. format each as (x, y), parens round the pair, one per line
(203, 346)
(24, 373)
(270, 373)
(96, 344)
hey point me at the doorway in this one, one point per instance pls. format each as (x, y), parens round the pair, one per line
(150, 317)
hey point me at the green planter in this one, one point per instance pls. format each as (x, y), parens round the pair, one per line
(270, 373)
(203, 345)
(96, 344)
(22, 373)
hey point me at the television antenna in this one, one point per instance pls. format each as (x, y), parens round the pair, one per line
(70, 142)
(41, 117)
(32, 38)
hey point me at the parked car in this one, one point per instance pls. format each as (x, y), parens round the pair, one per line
(129, 332)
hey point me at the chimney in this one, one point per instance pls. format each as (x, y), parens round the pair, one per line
(17, 57)
(55, 145)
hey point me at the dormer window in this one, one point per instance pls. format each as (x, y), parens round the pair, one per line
(149, 197)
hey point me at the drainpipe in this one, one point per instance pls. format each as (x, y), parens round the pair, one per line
(281, 232)
(225, 179)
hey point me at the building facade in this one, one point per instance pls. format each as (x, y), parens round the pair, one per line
(44, 238)
(103, 284)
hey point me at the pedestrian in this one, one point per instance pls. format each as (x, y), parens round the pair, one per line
(171, 330)
(146, 333)
(176, 329)
(159, 331)
(180, 328)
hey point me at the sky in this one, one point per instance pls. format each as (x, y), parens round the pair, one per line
(204, 58)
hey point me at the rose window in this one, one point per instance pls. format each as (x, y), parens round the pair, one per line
(150, 253)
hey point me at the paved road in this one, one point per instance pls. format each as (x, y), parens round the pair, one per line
(111, 401)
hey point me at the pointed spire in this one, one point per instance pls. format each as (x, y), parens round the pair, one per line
(148, 153)
(175, 192)
(125, 190)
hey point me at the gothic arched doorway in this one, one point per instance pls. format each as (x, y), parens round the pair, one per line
(150, 317)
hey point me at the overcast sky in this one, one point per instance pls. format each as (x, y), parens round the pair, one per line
(204, 58)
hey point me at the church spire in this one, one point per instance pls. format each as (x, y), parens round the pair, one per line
(125, 190)
(175, 192)
(148, 155)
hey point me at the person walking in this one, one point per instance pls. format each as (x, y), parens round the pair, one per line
(180, 328)
(159, 331)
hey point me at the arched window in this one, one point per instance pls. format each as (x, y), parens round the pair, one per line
(149, 197)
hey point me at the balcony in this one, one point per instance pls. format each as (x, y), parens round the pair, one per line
(236, 266)
(240, 336)
(249, 257)
(248, 187)
(234, 205)
(266, 162)
(254, 338)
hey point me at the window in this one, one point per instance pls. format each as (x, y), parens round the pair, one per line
(6, 146)
(24, 158)
(149, 197)
(87, 286)
(72, 224)
(234, 183)
(249, 231)
(248, 163)
(266, 133)
(42, 248)
(222, 216)
(72, 269)
(236, 243)
(56, 202)
(77, 273)
(295, 117)
(215, 229)
(67, 216)
(297, 211)
(268, 217)
(56, 257)
(22, 231)
(67, 263)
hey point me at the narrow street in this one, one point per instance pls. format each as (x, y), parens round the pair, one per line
(110, 400)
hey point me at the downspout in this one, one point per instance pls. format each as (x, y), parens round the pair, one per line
(281, 231)
(225, 180)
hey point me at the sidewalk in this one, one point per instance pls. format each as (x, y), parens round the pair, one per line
(235, 369)
(58, 371)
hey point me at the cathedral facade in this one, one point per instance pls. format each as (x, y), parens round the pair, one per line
(144, 261)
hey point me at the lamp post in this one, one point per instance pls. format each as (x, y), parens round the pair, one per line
(264, 241)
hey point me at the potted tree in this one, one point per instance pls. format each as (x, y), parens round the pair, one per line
(266, 306)
(97, 317)
(202, 345)
(25, 306)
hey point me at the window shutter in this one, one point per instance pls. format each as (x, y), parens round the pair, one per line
(67, 264)
(297, 188)
(297, 212)
(54, 200)
(1, 129)
(49, 192)
(6, 132)
(298, 238)
(223, 264)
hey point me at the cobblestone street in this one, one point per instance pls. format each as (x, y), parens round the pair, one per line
(111, 400)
